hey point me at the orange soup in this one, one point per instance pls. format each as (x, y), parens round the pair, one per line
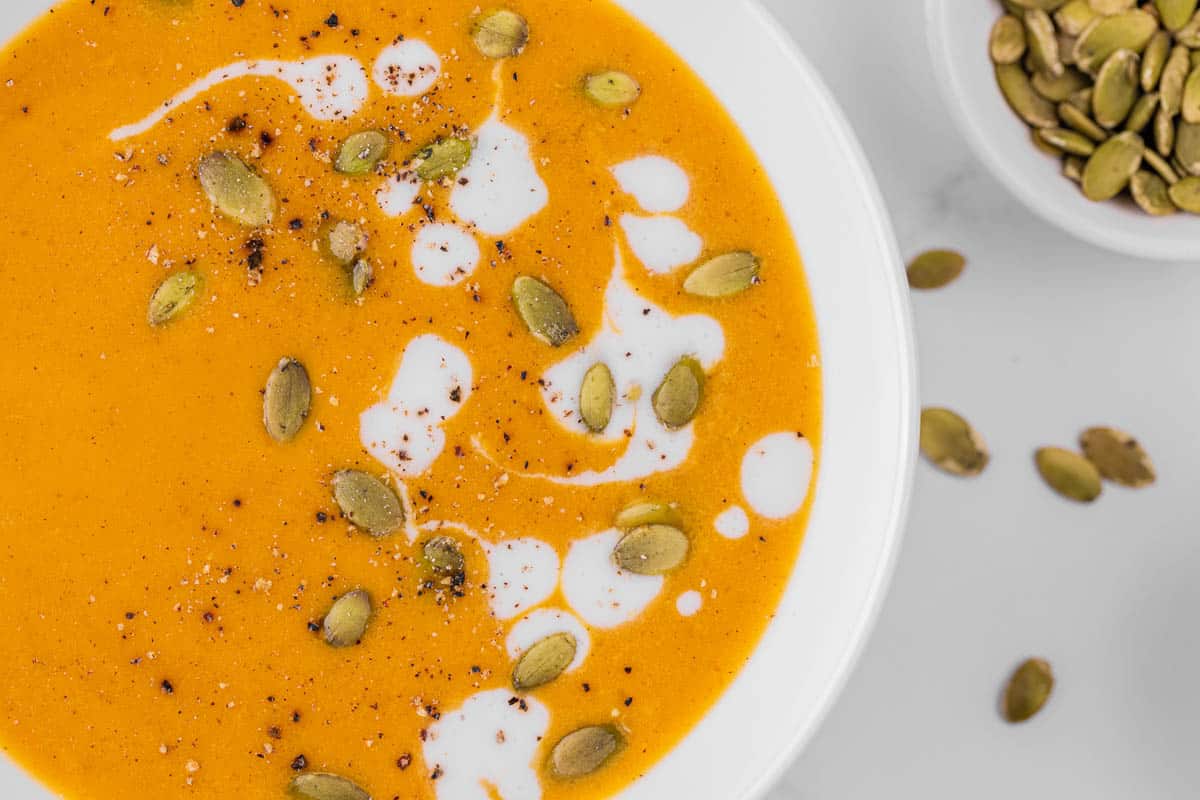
(402, 400)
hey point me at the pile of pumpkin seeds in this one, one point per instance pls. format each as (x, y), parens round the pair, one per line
(1112, 87)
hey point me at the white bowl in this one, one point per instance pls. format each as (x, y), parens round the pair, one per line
(958, 40)
(861, 301)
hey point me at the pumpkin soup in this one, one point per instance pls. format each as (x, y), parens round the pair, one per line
(402, 399)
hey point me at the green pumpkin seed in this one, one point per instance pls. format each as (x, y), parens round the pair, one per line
(324, 786)
(1007, 42)
(369, 503)
(652, 550)
(1175, 73)
(1060, 88)
(1187, 146)
(1082, 100)
(362, 275)
(1118, 456)
(1190, 104)
(1116, 89)
(1194, 59)
(287, 400)
(543, 311)
(935, 269)
(612, 89)
(500, 34)
(1164, 131)
(544, 662)
(1151, 194)
(584, 751)
(648, 512)
(362, 152)
(1078, 120)
(1028, 690)
(677, 399)
(1107, 7)
(949, 442)
(1067, 141)
(1073, 168)
(597, 397)
(1186, 194)
(1153, 60)
(1073, 17)
(724, 276)
(346, 622)
(172, 297)
(1142, 113)
(1043, 42)
(1069, 474)
(341, 241)
(442, 556)
(1022, 98)
(1045, 5)
(442, 159)
(1066, 49)
(1129, 30)
(236, 190)
(1112, 165)
(1189, 34)
(1175, 13)
(1160, 165)
(1042, 145)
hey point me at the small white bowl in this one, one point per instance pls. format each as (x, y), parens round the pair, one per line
(958, 41)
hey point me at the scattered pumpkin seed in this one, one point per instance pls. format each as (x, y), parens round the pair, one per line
(442, 158)
(1023, 98)
(1190, 104)
(1028, 690)
(612, 89)
(1129, 30)
(443, 557)
(677, 398)
(652, 550)
(1175, 73)
(368, 502)
(949, 442)
(1067, 141)
(935, 269)
(1069, 474)
(1142, 112)
(1153, 60)
(648, 512)
(584, 751)
(1111, 167)
(1175, 13)
(286, 400)
(724, 276)
(597, 397)
(1079, 121)
(341, 241)
(346, 622)
(1107, 7)
(362, 275)
(1118, 456)
(1187, 146)
(1189, 34)
(1042, 145)
(1057, 89)
(1164, 131)
(324, 786)
(1116, 89)
(1151, 193)
(1007, 42)
(172, 297)
(1160, 165)
(501, 33)
(544, 661)
(543, 311)
(1042, 41)
(362, 152)
(1186, 194)
(1073, 168)
(236, 190)
(1072, 17)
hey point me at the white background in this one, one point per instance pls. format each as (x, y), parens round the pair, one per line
(1042, 337)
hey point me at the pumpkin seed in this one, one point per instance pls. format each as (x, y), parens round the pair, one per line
(1154, 59)
(341, 241)
(287, 400)
(1194, 59)
(612, 89)
(1045, 5)
(1151, 194)
(1072, 17)
(1022, 98)
(347, 619)
(949, 442)
(1189, 34)
(1112, 165)
(1028, 690)
(1190, 104)
(543, 311)
(1107, 7)
(172, 297)
(1170, 85)
(1175, 13)
(1078, 120)
(1067, 141)
(1186, 194)
(724, 276)
(648, 512)
(1007, 42)
(236, 190)
(934, 269)
(652, 550)
(1160, 165)
(544, 661)
(1069, 474)
(1042, 145)
(1073, 168)
(362, 152)
(324, 786)
(1042, 41)
(1082, 100)
(1128, 30)
(1187, 146)
(1164, 131)
(1118, 456)
(597, 396)
(362, 275)
(584, 751)
(501, 33)
(442, 159)
(368, 502)
(1142, 113)
(1066, 49)
(1060, 88)
(677, 398)
(442, 556)
(1116, 89)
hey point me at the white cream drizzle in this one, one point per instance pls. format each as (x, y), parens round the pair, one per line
(776, 474)
(689, 603)
(537, 625)
(444, 254)
(603, 595)
(658, 184)
(407, 68)
(732, 523)
(329, 88)
(499, 189)
(662, 244)
(398, 194)
(522, 574)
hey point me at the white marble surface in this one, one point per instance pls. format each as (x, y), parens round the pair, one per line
(1043, 336)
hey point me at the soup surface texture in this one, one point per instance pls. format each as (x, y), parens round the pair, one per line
(342, 511)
